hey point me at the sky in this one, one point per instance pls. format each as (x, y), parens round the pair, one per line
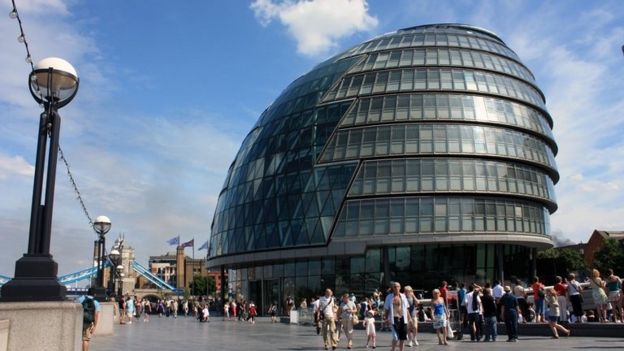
(169, 89)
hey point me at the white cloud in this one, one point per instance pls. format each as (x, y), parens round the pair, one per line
(15, 165)
(317, 25)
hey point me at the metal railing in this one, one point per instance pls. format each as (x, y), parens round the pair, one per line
(151, 277)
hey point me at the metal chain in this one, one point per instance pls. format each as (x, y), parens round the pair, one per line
(22, 39)
(73, 183)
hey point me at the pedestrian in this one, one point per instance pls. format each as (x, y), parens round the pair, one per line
(304, 304)
(497, 293)
(444, 292)
(614, 285)
(599, 295)
(252, 313)
(463, 313)
(129, 308)
(185, 308)
(538, 299)
(122, 310)
(510, 314)
(489, 315)
(290, 304)
(371, 333)
(174, 307)
(328, 311)
(475, 316)
(226, 311)
(147, 309)
(520, 293)
(396, 314)
(273, 312)
(440, 316)
(347, 313)
(412, 309)
(233, 309)
(316, 313)
(90, 317)
(553, 313)
(576, 299)
(561, 288)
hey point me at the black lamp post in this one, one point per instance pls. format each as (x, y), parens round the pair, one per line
(116, 271)
(101, 226)
(53, 83)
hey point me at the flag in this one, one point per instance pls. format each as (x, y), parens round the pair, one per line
(174, 241)
(188, 244)
(203, 247)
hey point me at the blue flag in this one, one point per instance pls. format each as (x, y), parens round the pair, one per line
(204, 246)
(174, 241)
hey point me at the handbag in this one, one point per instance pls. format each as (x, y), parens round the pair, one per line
(449, 331)
(355, 319)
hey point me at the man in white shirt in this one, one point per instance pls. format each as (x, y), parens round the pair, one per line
(327, 314)
(497, 293)
(475, 316)
(396, 314)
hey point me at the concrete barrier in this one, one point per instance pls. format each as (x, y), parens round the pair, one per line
(50, 326)
(107, 319)
(4, 335)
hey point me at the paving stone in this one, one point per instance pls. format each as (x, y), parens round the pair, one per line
(188, 334)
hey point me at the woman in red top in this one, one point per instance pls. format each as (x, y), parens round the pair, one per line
(561, 288)
(538, 299)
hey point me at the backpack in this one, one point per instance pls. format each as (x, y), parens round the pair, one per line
(88, 305)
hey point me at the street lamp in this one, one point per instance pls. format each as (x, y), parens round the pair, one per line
(53, 83)
(101, 226)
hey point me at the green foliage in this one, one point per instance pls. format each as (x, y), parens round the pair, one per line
(611, 255)
(554, 262)
(187, 293)
(203, 285)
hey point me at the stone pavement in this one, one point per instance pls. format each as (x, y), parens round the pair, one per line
(188, 334)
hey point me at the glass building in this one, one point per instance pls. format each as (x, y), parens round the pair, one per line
(420, 155)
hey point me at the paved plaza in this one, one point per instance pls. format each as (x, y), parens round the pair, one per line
(188, 334)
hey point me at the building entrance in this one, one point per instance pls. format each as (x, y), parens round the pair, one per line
(272, 294)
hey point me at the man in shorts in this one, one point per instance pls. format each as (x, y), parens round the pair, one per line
(91, 316)
(397, 315)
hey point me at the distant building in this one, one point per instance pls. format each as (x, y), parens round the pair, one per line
(596, 241)
(166, 268)
(580, 248)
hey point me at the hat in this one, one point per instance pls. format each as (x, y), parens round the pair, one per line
(507, 288)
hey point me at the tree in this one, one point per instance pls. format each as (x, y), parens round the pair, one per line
(611, 255)
(553, 262)
(203, 285)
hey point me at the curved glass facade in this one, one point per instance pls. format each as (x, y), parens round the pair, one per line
(433, 140)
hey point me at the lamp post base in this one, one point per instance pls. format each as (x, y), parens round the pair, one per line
(35, 280)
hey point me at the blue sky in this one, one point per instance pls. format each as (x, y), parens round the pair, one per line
(170, 89)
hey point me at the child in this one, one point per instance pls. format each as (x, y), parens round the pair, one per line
(369, 324)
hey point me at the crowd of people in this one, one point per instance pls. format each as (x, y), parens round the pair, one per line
(471, 308)
(242, 311)
(129, 308)
(476, 310)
